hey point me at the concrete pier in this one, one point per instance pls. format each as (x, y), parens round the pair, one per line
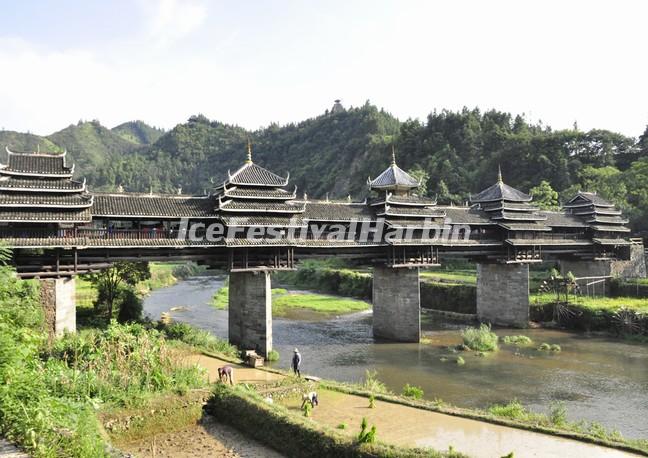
(396, 304)
(503, 294)
(250, 311)
(58, 298)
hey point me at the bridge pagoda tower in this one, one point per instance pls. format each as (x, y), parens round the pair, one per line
(39, 200)
(503, 281)
(396, 289)
(249, 202)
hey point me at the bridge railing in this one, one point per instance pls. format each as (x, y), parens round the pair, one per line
(93, 233)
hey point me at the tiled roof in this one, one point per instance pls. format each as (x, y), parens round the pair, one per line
(599, 241)
(40, 184)
(524, 227)
(511, 206)
(393, 177)
(37, 164)
(414, 201)
(322, 211)
(419, 223)
(607, 219)
(412, 211)
(500, 191)
(256, 193)
(261, 207)
(145, 205)
(247, 221)
(548, 241)
(560, 219)
(610, 228)
(252, 174)
(45, 216)
(24, 199)
(517, 216)
(466, 215)
(588, 197)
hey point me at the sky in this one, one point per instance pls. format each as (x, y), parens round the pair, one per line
(257, 62)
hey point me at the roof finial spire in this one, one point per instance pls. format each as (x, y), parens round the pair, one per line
(499, 174)
(393, 155)
(249, 152)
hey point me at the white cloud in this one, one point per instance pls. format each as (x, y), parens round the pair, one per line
(170, 20)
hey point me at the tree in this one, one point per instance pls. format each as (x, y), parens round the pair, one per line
(109, 281)
(422, 176)
(544, 196)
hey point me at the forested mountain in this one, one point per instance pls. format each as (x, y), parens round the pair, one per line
(458, 152)
(18, 141)
(91, 146)
(138, 132)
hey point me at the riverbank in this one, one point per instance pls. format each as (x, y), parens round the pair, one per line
(286, 303)
(400, 421)
(593, 376)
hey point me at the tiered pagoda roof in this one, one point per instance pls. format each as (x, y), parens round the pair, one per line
(38, 187)
(509, 208)
(599, 214)
(254, 196)
(395, 200)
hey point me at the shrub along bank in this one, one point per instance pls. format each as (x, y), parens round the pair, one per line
(293, 435)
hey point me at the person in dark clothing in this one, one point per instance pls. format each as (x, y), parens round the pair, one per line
(296, 362)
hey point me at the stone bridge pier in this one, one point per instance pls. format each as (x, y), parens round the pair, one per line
(396, 304)
(503, 294)
(250, 311)
(58, 299)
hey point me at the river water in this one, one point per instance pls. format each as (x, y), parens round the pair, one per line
(598, 379)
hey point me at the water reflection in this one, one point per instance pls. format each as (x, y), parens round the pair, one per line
(598, 379)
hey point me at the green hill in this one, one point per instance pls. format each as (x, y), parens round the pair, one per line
(138, 132)
(91, 146)
(458, 153)
(17, 141)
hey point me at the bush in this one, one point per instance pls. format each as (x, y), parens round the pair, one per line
(198, 338)
(372, 384)
(480, 339)
(517, 340)
(273, 355)
(366, 437)
(130, 306)
(558, 414)
(513, 410)
(186, 270)
(414, 392)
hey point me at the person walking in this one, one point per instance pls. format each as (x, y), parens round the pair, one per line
(296, 362)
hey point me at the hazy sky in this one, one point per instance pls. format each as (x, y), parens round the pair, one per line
(256, 62)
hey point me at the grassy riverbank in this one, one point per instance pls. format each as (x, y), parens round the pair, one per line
(284, 301)
(333, 426)
(596, 304)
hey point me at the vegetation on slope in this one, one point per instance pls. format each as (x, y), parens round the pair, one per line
(90, 147)
(138, 132)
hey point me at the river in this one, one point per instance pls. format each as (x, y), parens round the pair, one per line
(598, 379)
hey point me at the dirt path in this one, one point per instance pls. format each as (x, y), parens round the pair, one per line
(8, 450)
(403, 425)
(209, 439)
